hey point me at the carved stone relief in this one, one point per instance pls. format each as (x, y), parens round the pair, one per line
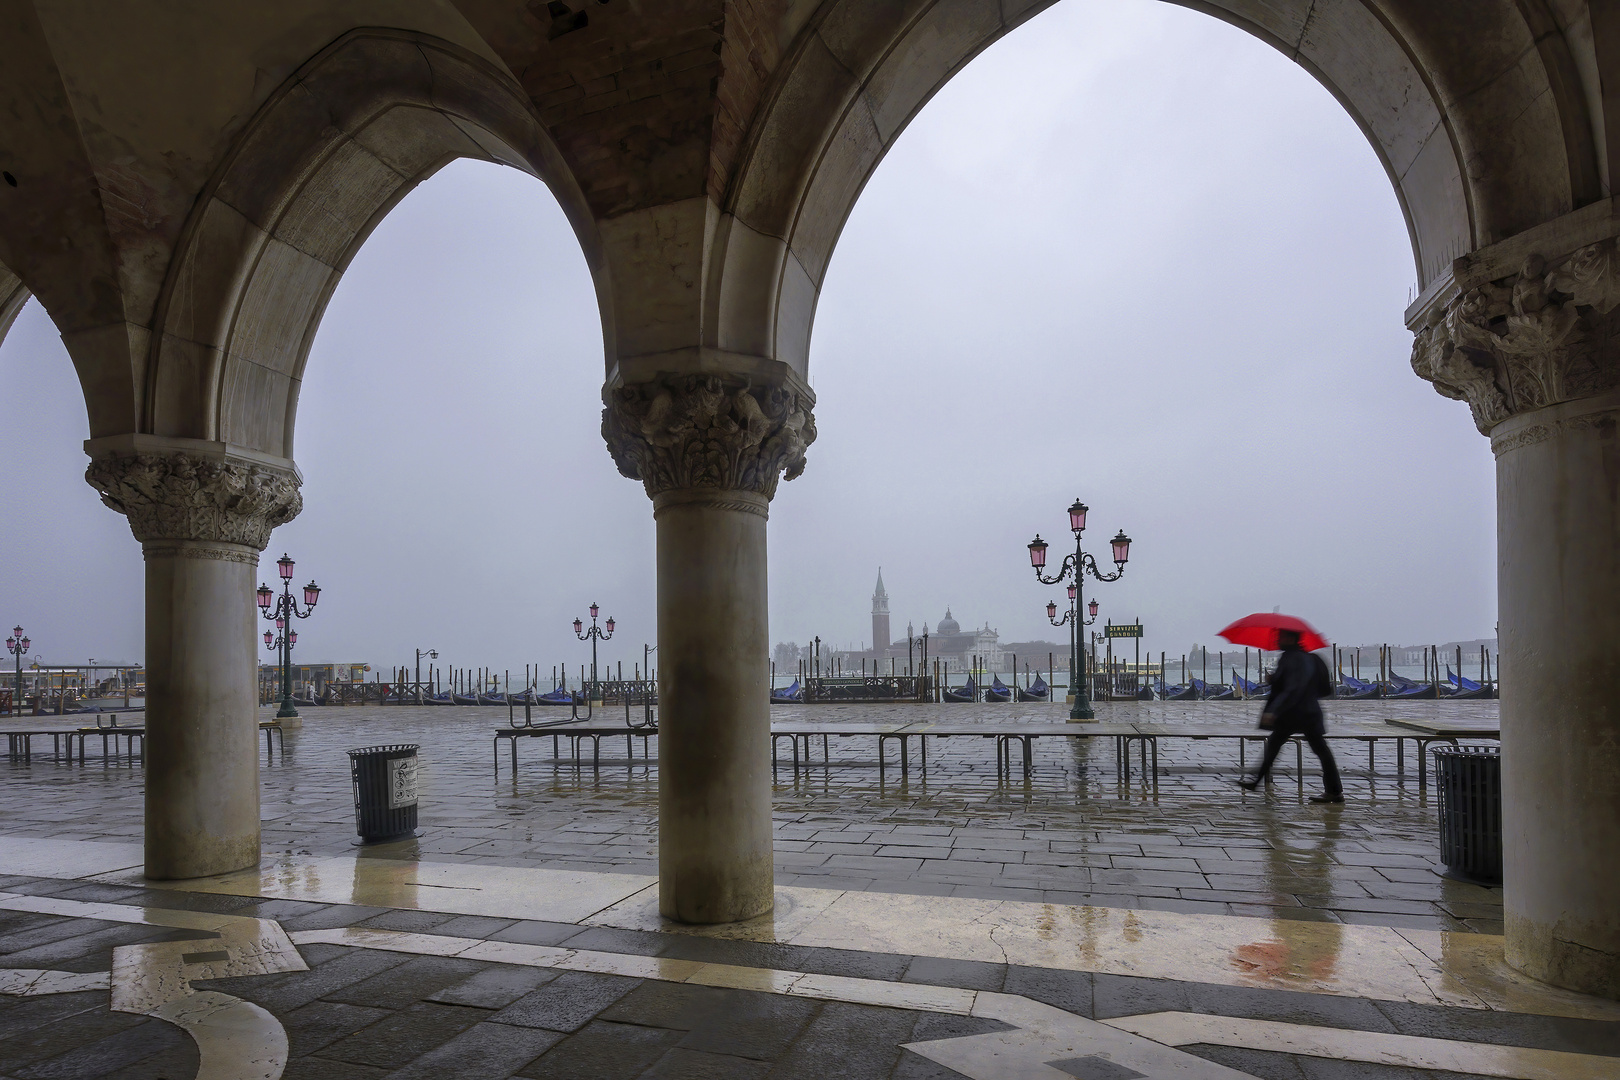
(708, 432)
(180, 497)
(1536, 338)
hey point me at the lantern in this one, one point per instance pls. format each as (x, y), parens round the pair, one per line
(312, 593)
(1051, 610)
(610, 624)
(292, 638)
(1122, 548)
(578, 626)
(268, 639)
(1077, 517)
(285, 565)
(1093, 608)
(594, 610)
(1073, 592)
(265, 596)
(1037, 552)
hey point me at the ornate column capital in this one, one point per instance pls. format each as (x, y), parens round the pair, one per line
(1541, 335)
(709, 433)
(199, 493)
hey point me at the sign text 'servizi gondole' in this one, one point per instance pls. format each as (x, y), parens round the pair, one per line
(1123, 630)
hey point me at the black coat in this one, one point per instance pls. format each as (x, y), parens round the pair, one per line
(1300, 679)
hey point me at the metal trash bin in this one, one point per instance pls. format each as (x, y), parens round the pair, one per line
(384, 791)
(1469, 779)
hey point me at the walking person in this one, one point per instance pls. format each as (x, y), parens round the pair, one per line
(1298, 681)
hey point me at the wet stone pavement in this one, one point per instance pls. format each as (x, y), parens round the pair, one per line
(367, 989)
(1187, 840)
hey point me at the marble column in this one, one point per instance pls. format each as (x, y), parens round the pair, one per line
(202, 512)
(709, 449)
(1531, 341)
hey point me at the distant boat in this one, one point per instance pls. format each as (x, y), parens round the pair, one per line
(792, 695)
(1352, 689)
(1177, 693)
(438, 699)
(970, 692)
(1249, 689)
(997, 691)
(1035, 691)
(1408, 690)
(1465, 688)
(1213, 691)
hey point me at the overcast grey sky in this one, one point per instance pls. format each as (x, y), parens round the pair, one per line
(1129, 254)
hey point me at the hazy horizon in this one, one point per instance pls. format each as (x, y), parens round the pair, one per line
(1129, 254)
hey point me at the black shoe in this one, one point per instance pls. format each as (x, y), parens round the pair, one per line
(1250, 785)
(1327, 798)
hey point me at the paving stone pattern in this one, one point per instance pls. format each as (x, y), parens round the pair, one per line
(1187, 840)
(360, 1013)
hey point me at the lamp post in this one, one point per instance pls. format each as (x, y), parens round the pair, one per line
(593, 635)
(283, 609)
(1077, 566)
(431, 654)
(17, 645)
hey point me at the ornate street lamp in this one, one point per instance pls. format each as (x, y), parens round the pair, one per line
(282, 609)
(17, 645)
(1076, 566)
(593, 635)
(431, 654)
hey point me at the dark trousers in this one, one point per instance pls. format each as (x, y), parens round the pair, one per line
(1319, 746)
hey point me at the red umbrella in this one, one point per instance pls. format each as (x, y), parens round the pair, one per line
(1260, 630)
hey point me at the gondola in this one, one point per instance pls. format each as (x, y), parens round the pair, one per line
(970, 692)
(998, 692)
(492, 699)
(1035, 691)
(792, 695)
(1352, 689)
(1249, 689)
(464, 699)
(1177, 693)
(1462, 688)
(445, 698)
(1407, 690)
(554, 697)
(1213, 691)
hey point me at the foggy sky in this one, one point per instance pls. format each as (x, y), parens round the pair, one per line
(1130, 254)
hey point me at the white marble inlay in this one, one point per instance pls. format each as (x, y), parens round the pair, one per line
(236, 1040)
(35, 982)
(32, 856)
(1378, 1048)
(509, 892)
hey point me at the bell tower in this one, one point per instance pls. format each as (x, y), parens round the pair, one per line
(880, 617)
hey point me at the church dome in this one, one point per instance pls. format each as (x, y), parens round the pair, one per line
(948, 625)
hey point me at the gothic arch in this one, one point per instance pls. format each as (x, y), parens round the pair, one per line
(13, 295)
(1482, 134)
(326, 157)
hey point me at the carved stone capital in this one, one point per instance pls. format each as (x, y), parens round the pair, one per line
(180, 497)
(1543, 335)
(708, 432)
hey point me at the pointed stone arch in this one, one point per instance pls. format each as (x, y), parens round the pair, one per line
(1482, 135)
(327, 156)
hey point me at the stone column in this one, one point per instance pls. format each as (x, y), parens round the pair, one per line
(1529, 340)
(202, 512)
(709, 449)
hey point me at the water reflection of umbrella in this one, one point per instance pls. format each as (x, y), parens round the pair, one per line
(1260, 630)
